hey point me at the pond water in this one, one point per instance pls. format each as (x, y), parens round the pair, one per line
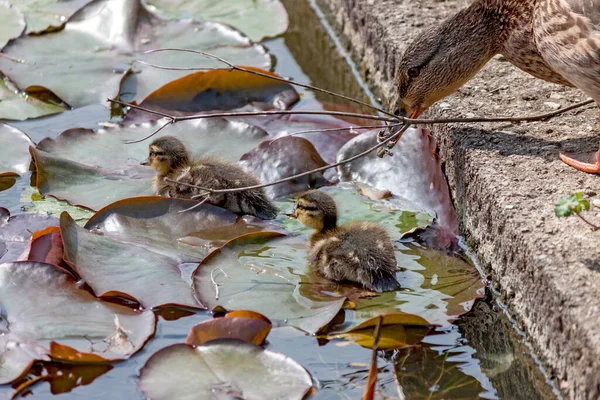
(480, 355)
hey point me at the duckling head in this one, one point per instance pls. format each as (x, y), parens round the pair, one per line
(317, 210)
(444, 58)
(167, 154)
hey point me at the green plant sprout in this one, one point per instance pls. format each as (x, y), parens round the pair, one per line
(574, 204)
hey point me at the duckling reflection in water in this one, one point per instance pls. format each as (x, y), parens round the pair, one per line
(169, 157)
(360, 252)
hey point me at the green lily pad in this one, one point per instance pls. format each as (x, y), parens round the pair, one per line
(42, 15)
(223, 369)
(414, 172)
(95, 168)
(14, 150)
(34, 203)
(62, 321)
(101, 42)
(256, 18)
(18, 106)
(13, 23)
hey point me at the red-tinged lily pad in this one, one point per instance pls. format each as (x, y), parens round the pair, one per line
(272, 161)
(13, 23)
(246, 327)
(217, 90)
(397, 330)
(15, 232)
(62, 316)
(7, 180)
(100, 43)
(414, 173)
(14, 150)
(46, 246)
(223, 369)
(17, 105)
(256, 18)
(95, 168)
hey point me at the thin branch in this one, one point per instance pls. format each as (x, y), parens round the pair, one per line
(257, 113)
(207, 194)
(231, 67)
(350, 128)
(212, 279)
(372, 379)
(581, 217)
(169, 122)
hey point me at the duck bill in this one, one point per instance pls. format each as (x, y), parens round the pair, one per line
(406, 111)
(145, 163)
(292, 216)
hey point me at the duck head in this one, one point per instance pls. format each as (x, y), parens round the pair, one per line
(317, 210)
(444, 58)
(166, 154)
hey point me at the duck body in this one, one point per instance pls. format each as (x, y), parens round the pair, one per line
(360, 252)
(554, 40)
(170, 159)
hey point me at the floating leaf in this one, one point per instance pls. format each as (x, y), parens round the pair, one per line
(101, 42)
(286, 157)
(7, 180)
(17, 105)
(13, 23)
(42, 15)
(414, 173)
(61, 316)
(93, 169)
(16, 231)
(46, 246)
(245, 325)
(217, 90)
(14, 150)
(226, 368)
(256, 18)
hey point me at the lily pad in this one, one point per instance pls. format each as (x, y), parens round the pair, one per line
(100, 43)
(95, 168)
(7, 180)
(414, 172)
(217, 90)
(256, 18)
(14, 150)
(247, 326)
(13, 23)
(16, 232)
(62, 321)
(272, 161)
(17, 105)
(225, 368)
(42, 15)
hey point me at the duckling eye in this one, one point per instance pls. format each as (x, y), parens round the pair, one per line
(159, 153)
(414, 72)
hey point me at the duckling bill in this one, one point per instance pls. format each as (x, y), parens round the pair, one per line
(170, 159)
(360, 252)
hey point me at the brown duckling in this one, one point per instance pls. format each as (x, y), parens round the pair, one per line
(554, 40)
(360, 252)
(169, 157)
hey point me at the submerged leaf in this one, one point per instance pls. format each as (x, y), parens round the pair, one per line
(61, 316)
(102, 41)
(217, 90)
(256, 18)
(227, 368)
(414, 172)
(95, 168)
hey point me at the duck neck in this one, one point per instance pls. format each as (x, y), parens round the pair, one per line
(175, 168)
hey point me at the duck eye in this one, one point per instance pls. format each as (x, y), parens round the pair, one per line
(413, 72)
(159, 153)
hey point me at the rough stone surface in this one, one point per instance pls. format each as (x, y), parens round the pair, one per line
(505, 179)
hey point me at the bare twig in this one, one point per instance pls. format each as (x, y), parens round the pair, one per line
(372, 380)
(205, 195)
(349, 128)
(169, 122)
(581, 217)
(212, 279)
(231, 67)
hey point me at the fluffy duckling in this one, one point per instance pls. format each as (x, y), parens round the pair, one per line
(360, 252)
(169, 157)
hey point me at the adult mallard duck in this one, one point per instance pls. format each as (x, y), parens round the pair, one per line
(360, 252)
(555, 40)
(170, 159)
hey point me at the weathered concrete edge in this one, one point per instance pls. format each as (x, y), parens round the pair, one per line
(559, 313)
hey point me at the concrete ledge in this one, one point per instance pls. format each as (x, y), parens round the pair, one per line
(504, 181)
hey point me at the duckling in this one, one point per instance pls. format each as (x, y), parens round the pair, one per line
(554, 40)
(360, 252)
(169, 157)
